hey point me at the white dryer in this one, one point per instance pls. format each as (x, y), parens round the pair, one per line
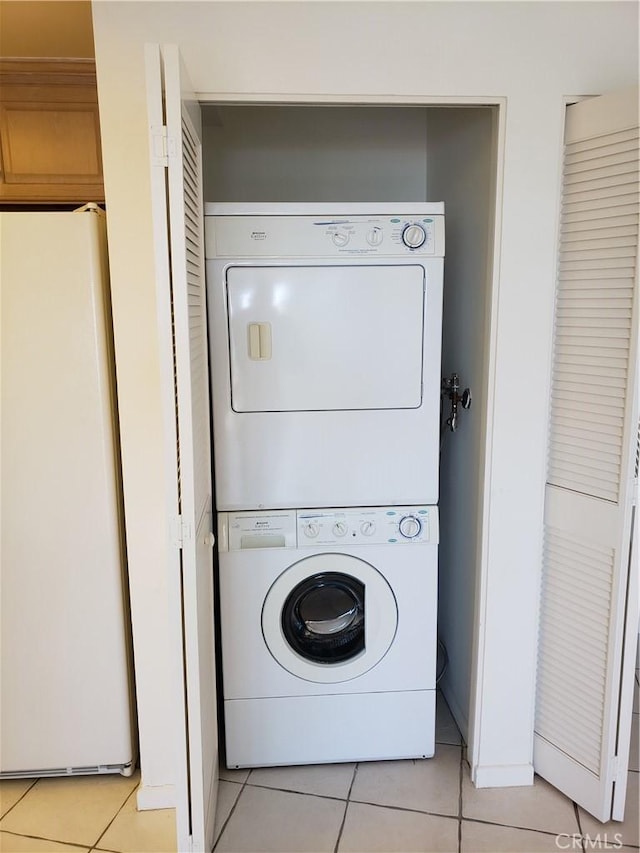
(328, 622)
(325, 334)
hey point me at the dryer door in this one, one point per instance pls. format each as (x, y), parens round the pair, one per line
(325, 338)
(329, 618)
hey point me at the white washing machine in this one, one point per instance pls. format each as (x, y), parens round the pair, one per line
(325, 334)
(328, 621)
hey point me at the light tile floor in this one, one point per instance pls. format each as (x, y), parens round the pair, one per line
(381, 807)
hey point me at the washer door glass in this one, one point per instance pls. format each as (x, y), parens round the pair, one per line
(329, 618)
(323, 618)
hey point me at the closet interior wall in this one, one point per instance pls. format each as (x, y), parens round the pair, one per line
(462, 157)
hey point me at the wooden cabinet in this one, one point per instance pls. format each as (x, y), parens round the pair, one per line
(49, 132)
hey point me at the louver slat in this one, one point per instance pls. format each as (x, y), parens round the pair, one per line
(603, 428)
(572, 233)
(619, 161)
(597, 144)
(592, 243)
(582, 213)
(585, 191)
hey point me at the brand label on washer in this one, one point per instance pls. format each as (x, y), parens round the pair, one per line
(249, 530)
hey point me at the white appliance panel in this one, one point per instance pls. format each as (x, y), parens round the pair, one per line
(344, 457)
(247, 575)
(320, 729)
(284, 708)
(66, 702)
(337, 337)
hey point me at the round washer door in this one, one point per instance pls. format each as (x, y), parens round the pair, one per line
(329, 618)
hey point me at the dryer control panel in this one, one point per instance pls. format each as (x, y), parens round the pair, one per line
(395, 235)
(338, 527)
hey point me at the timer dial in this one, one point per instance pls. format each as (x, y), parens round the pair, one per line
(410, 526)
(414, 236)
(311, 529)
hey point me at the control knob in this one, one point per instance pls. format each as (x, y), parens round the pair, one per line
(311, 529)
(375, 236)
(410, 526)
(414, 236)
(339, 528)
(368, 528)
(340, 238)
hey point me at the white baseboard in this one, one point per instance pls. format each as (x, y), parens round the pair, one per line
(503, 775)
(156, 797)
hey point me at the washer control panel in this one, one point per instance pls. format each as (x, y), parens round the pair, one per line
(314, 528)
(368, 526)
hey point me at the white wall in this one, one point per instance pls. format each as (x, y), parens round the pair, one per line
(311, 154)
(532, 54)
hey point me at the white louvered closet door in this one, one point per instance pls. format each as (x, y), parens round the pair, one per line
(180, 271)
(186, 228)
(589, 594)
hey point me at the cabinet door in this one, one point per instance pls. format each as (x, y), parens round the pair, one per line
(178, 231)
(49, 132)
(589, 597)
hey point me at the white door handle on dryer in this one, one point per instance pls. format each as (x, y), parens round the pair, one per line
(259, 335)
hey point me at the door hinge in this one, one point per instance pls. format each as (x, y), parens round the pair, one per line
(181, 532)
(163, 146)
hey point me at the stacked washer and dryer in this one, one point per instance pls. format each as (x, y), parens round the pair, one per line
(325, 333)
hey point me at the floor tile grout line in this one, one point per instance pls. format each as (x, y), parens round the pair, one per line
(403, 809)
(42, 838)
(11, 808)
(294, 791)
(550, 832)
(233, 808)
(108, 826)
(576, 812)
(346, 807)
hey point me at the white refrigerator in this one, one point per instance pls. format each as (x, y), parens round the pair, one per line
(65, 681)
